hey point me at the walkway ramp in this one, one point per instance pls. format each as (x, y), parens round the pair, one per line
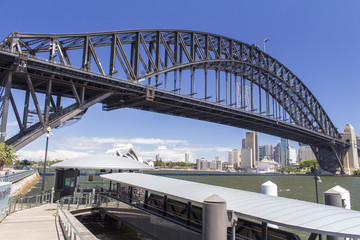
(35, 223)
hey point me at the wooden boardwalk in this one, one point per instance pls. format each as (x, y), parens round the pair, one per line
(34, 223)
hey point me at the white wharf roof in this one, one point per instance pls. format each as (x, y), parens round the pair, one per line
(296, 214)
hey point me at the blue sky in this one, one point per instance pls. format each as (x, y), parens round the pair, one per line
(317, 40)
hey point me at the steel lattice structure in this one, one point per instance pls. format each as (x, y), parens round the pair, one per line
(184, 73)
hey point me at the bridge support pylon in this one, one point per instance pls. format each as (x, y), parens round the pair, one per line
(351, 157)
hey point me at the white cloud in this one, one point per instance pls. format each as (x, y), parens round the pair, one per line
(52, 155)
(147, 148)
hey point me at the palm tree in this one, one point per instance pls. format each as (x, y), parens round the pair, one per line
(7, 155)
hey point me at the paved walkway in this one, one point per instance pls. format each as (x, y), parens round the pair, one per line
(34, 223)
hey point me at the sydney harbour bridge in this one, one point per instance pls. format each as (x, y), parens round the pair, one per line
(190, 74)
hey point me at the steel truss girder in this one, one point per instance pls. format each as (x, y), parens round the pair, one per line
(148, 54)
(197, 47)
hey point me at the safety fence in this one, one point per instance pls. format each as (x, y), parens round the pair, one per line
(29, 201)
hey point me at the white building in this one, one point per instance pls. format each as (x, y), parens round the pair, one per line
(187, 158)
(202, 164)
(305, 153)
(292, 156)
(230, 158)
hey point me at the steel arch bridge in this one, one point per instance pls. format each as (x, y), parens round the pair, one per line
(184, 73)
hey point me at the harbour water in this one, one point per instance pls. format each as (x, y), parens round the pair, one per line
(290, 186)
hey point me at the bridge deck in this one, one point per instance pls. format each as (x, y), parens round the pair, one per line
(35, 223)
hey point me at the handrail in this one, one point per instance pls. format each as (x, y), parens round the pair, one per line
(17, 176)
(70, 229)
(70, 201)
(30, 201)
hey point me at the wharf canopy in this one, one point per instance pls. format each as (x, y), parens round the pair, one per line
(84, 172)
(290, 213)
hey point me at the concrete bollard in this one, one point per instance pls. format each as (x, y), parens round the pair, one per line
(333, 198)
(214, 218)
(345, 196)
(270, 188)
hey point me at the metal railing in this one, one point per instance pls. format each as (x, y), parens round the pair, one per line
(69, 228)
(14, 177)
(70, 203)
(78, 200)
(29, 201)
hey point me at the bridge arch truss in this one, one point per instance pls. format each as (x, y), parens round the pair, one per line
(192, 66)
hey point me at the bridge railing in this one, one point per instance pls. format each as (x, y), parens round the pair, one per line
(14, 177)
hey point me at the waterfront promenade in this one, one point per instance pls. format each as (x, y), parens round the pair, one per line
(35, 223)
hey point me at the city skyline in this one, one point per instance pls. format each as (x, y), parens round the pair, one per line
(306, 43)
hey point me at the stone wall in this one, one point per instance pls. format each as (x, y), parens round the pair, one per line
(21, 187)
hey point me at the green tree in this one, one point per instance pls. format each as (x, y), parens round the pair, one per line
(7, 155)
(308, 164)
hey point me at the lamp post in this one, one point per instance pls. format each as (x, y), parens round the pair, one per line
(317, 179)
(46, 151)
(265, 40)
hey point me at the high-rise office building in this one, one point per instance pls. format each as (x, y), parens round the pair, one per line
(292, 156)
(266, 151)
(305, 153)
(277, 154)
(230, 158)
(236, 158)
(202, 164)
(246, 158)
(284, 152)
(187, 158)
(251, 141)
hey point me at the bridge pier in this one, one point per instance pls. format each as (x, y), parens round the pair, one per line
(351, 158)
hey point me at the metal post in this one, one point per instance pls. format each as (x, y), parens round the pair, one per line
(214, 215)
(46, 151)
(52, 195)
(264, 231)
(316, 186)
(93, 196)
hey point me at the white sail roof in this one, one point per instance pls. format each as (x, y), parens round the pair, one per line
(291, 213)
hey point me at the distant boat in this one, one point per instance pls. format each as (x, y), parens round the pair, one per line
(231, 170)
